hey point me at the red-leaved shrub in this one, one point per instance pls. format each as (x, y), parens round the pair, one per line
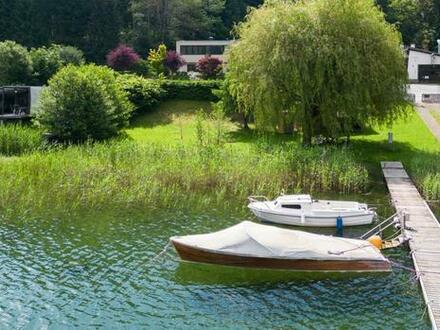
(122, 58)
(209, 67)
(173, 61)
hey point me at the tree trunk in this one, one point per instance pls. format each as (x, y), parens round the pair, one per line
(307, 129)
(245, 121)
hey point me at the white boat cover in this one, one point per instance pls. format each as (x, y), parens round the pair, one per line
(256, 240)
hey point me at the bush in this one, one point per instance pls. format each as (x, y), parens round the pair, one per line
(145, 94)
(16, 140)
(141, 68)
(191, 89)
(71, 55)
(173, 61)
(122, 58)
(209, 67)
(156, 60)
(15, 63)
(83, 103)
(48, 60)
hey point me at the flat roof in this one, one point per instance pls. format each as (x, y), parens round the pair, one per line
(204, 41)
(419, 50)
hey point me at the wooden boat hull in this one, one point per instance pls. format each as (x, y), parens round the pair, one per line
(192, 254)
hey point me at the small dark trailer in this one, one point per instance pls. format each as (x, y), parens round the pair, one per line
(18, 102)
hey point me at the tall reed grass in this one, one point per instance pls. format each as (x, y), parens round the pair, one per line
(426, 171)
(18, 139)
(125, 174)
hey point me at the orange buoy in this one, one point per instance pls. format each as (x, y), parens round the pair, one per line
(376, 241)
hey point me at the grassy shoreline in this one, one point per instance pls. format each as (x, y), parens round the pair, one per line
(127, 174)
(170, 157)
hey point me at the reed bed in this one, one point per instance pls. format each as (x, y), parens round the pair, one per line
(426, 171)
(127, 174)
(18, 139)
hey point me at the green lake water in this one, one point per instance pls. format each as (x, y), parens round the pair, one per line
(96, 269)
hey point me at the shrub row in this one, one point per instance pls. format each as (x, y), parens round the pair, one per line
(145, 94)
(191, 89)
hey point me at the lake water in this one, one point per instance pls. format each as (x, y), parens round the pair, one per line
(96, 269)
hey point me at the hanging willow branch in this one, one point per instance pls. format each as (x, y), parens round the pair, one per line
(326, 65)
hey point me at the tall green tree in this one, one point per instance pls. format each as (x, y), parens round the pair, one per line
(165, 21)
(235, 11)
(324, 64)
(417, 20)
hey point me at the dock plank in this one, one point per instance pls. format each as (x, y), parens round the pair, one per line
(425, 235)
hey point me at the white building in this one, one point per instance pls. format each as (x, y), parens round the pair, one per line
(423, 75)
(193, 50)
(423, 66)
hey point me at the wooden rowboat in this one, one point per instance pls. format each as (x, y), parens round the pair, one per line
(258, 246)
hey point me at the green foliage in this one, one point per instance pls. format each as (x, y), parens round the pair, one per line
(418, 21)
(145, 94)
(156, 60)
(15, 63)
(142, 68)
(48, 60)
(156, 22)
(427, 173)
(324, 64)
(116, 173)
(16, 140)
(71, 55)
(191, 89)
(83, 103)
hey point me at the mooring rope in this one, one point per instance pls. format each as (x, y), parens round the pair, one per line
(425, 251)
(338, 253)
(160, 254)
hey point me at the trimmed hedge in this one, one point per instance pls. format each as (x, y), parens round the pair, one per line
(191, 89)
(145, 94)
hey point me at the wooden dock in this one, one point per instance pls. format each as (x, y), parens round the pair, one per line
(425, 242)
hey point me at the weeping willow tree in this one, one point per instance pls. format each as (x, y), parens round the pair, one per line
(325, 65)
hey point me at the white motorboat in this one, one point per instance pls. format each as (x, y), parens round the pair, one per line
(302, 210)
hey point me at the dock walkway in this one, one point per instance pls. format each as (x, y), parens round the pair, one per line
(425, 242)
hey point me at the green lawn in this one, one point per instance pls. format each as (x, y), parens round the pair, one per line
(412, 139)
(174, 122)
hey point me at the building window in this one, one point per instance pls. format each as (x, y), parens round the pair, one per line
(193, 50)
(216, 50)
(202, 50)
(429, 73)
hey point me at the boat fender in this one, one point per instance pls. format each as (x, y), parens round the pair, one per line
(339, 226)
(376, 241)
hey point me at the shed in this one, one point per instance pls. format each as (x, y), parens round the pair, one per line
(18, 101)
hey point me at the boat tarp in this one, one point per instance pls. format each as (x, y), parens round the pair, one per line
(256, 240)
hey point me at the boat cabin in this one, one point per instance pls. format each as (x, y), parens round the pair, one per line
(18, 102)
(295, 202)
